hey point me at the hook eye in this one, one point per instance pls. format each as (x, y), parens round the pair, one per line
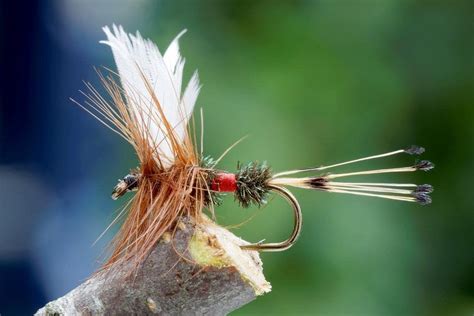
(129, 183)
(298, 221)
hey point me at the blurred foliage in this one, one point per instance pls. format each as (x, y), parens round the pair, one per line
(316, 82)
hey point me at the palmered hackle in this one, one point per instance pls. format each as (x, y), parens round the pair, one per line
(149, 111)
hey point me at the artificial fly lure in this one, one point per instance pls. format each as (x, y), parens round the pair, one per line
(149, 110)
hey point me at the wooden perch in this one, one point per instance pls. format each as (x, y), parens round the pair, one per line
(215, 277)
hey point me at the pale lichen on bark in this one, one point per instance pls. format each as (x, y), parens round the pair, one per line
(201, 270)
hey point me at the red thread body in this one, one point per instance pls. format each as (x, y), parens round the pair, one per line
(224, 182)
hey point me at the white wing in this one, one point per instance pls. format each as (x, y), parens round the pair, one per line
(139, 61)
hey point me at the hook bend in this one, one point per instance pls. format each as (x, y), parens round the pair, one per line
(298, 221)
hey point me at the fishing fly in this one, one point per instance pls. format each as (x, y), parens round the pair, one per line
(149, 109)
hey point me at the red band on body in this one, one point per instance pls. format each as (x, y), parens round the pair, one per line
(224, 182)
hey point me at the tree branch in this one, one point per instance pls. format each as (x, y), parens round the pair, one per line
(202, 270)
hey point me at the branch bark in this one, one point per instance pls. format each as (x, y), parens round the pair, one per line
(214, 277)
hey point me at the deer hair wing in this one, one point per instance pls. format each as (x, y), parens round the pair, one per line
(149, 77)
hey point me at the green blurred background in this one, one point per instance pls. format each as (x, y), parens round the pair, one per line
(311, 83)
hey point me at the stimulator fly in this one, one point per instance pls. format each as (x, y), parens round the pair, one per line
(150, 110)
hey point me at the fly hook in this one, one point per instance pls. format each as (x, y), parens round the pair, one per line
(298, 221)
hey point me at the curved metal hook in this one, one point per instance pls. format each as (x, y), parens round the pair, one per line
(290, 198)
